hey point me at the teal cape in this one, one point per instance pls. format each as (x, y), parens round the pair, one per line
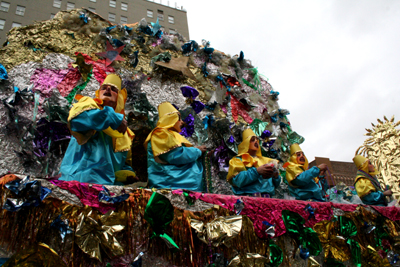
(182, 169)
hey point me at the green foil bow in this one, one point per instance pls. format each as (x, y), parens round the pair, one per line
(159, 213)
(348, 229)
(305, 236)
(258, 126)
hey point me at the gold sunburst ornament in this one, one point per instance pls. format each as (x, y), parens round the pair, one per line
(382, 148)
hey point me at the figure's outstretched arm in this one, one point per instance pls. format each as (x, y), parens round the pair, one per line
(96, 119)
(306, 177)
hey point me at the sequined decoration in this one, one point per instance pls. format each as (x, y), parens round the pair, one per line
(382, 148)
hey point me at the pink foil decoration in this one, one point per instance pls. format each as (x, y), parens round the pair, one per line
(45, 80)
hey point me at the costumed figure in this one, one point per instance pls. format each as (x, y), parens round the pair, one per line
(304, 183)
(172, 161)
(100, 147)
(249, 172)
(367, 185)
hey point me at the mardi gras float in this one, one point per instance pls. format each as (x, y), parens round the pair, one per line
(48, 222)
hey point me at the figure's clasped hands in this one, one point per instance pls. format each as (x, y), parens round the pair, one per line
(268, 171)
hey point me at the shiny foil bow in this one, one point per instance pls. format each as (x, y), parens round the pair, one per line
(218, 231)
(334, 246)
(188, 129)
(190, 93)
(29, 193)
(62, 226)
(348, 230)
(97, 232)
(305, 237)
(3, 73)
(159, 213)
(105, 197)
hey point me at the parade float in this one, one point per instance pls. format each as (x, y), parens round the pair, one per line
(48, 222)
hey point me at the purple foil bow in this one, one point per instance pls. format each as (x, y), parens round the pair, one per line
(188, 129)
(191, 94)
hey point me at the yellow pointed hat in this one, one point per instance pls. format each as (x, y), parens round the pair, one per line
(359, 161)
(113, 80)
(166, 108)
(294, 148)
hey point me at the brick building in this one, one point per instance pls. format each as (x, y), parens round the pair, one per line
(15, 13)
(341, 171)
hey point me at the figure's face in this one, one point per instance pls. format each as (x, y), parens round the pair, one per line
(178, 125)
(371, 167)
(301, 159)
(109, 95)
(254, 145)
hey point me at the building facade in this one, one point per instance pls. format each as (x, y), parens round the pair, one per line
(15, 13)
(341, 171)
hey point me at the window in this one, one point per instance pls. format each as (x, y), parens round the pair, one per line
(70, 6)
(15, 24)
(124, 6)
(57, 3)
(171, 19)
(52, 15)
(20, 10)
(171, 31)
(92, 9)
(149, 13)
(111, 17)
(2, 23)
(113, 3)
(124, 20)
(92, 1)
(160, 14)
(4, 6)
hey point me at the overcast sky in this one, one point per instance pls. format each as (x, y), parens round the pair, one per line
(335, 63)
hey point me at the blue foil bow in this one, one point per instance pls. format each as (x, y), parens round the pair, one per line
(208, 121)
(105, 197)
(304, 253)
(3, 73)
(29, 193)
(189, 47)
(62, 226)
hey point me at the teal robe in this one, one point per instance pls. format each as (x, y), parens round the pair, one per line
(306, 188)
(183, 170)
(250, 182)
(95, 161)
